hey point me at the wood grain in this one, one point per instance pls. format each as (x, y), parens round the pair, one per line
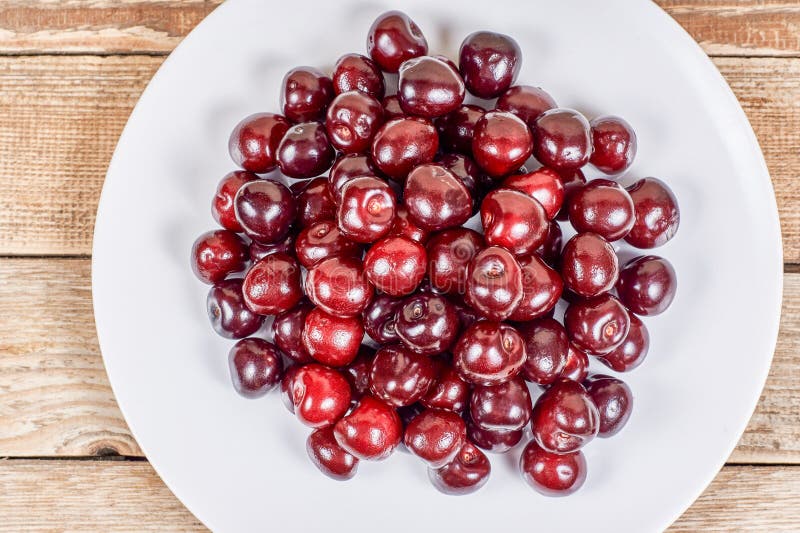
(55, 399)
(63, 115)
(722, 27)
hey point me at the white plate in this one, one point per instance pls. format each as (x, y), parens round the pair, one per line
(241, 465)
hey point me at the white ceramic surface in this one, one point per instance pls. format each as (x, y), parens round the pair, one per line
(241, 465)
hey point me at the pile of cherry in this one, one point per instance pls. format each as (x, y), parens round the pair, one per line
(463, 321)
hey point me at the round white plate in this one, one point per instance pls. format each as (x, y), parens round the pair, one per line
(241, 465)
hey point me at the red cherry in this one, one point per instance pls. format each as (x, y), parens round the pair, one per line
(501, 143)
(222, 205)
(544, 184)
(468, 472)
(395, 265)
(564, 418)
(272, 285)
(253, 144)
(338, 286)
(320, 395)
(371, 431)
(546, 348)
(256, 367)
(489, 353)
(329, 457)
(393, 39)
(633, 350)
(552, 474)
(399, 376)
(513, 220)
(436, 436)
(332, 340)
(215, 254)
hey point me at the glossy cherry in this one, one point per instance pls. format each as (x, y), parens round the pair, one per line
(429, 87)
(503, 407)
(399, 376)
(332, 340)
(552, 474)
(614, 144)
(287, 332)
(435, 198)
(457, 128)
(259, 251)
(321, 395)
(564, 418)
(402, 144)
(222, 204)
(614, 401)
(466, 473)
(436, 436)
(633, 350)
(305, 152)
(562, 139)
(541, 289)
(352, 120)
(657, 216)
(404, 226)
(393, 39)
(572, 181)
(321, 241)
(354, 72)
(597, 325)
(253, 144)
(395, 265)
(449, 391)
(427, 323)
(305, 94)
(272, 285)
(313, 201)
(329, 457)
(371, 431)
(546, 349)
(513, 220)
(338, 286)
(489, 63)
(543, 184)
(449, 254)
(589, 265)
(647, 285)
(380, 317)
(494, 283)
(577, 367)
(256, 367)
(526, 102)
(367, 209)
(215, 254)
(602, 207)
(265, 209)
(495, 441)
(229, 315)
(501, 143)
(489, 353)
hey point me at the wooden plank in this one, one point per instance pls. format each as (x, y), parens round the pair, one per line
(129, 496)
(55, 399)
(726, 27)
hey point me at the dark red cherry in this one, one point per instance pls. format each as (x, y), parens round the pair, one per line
(352, 120)
(572, 180)
(272, 285)
(614, 144)
(347, 168)
(468, 472)
(489, 63)
(503, 407)
(354, 72)
(513, 220)
(253, 144)
(494, 283)
(329, 457)
(435, 436)
(256, 367)
(597, 325)
(495, 441)
(564, 417)
(435, 198)
(589, 265)
(371, 431)
(259, 251)
(448, 392)
(526, 102)
(228, 313)
(633, 350)
(577, 367)
(391, 107)
(393, 39)
(305, 152)
(550, 250)
(546, 348)
(403, 226)
(215, 254)
(457, 128)
(357, 372)
(543, 184)
(614, 401)
(332, 340)
(379, 318)
(314, 202)
(552, 474)
(287, 332)
(399, 376)
(367, 209)
(464, 169)
(395, 265)
(222, 205)
(429, 87)
(562, 140)
(541, 289)
(449, 255)
(265, 209)
(338, 286)
(501, 143)
(427, 323)
(647, 285)
(657, 216)
(602, 207)
(321, 241)
(402, 144)
(305, 94)
(320, 395)
(489, 353)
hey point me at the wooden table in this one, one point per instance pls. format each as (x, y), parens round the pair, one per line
(70, 72)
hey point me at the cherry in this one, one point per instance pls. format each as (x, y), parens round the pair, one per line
(254, 141)
(321, 241)
(391, 107)
(457, 128)
(503, 407)
(501, 143)
(495, 441)
(633, 350)
(647, 285)
(552, 474)
(347, 168)
(494, 283)
(352, 120)
(354, 72)
(259, 251)
(367, 209)
(228, 313)
(564, 418)
(305, 94)
(320, 395)
(399, 376)
(541, 289)
(543, 184)
(550, 250)
(265, 209)
(448, 392)
(402, 144)
(403, 226)
(256, 367)
(614, 401)
(435, 198)
(272, 285)
(597, 325)
(287, 332)
(329, 457)
(526, 102)
(395, 265)
(465, 169)
(562, 139)
(589, 265)
(489, 63)
(429, 87)
(513, 220)
(614, 144)
(215, 254)
(379, 318)
(577, 367)
(332, 340)
(449, 254)
(427, 323)
(468, 472)
(572, 181)
(338, 286)
(222, 204)
(436, 436)
(371, 431)
(657, 216)
(357, 372)
(489, 353)
(546, 348)
(603, 207)
(393, 39)
(305, 152)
